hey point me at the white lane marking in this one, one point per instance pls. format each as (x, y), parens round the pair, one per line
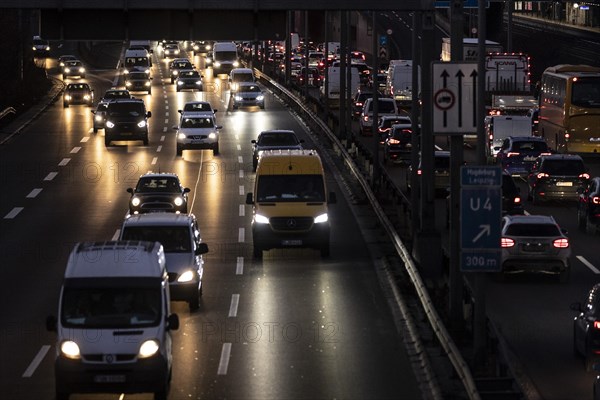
(116, 235)
(224, 361)
(233, 307)
(154, 161)
(239, 266)
(166, 121)
(13, 213)
(75, 150)
(36, 361)
(240, 159)
(162, 138)
(64, 162)
(588, 264)
(50, 176)
(158, 149)
(241, 173)
(242, 190)
(239, 147)
(242, 210)
(166, 114)
(241, 235)
(33, 194)
(166, 107)
(164, 130)
(84, 139)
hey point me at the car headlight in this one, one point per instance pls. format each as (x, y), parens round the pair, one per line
(261, 219)
(70, 349)
(68, 97)
(135, 201)
(82, 70)
(319, 219)
(62, 64)
(147, 84)
(198, 82)
(128, 83)
(238, 98)
(208, 47)
(217, 64)
(212, 135)
(196, 47)
(260, 97)
(98, 118)
(141, 124)
(67, 70)
(187, 276)
(182, 136)
(126, 71)
(87, 97)
(236, 64)
(47, 48)
(34, 49)
(176, 52)
(174, 72)
(109, 124)
(180, 82)
(148, 348)
(178, 201)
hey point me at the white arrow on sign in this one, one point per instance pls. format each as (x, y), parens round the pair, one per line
(486, 230)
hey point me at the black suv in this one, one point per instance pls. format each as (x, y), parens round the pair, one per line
(557, 176)
(158, 192)
(126, 119)
(274, 140)
(100, 111)
(588, 208)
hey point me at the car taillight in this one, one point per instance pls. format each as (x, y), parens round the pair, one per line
(561, 243)
(512, 154)
(584, 176)
(359, 104)
(596, 324)
(506, 242)
(491, 137)
(394, 141)
(545, 154)
(366, 118)
(542, 175)
(419, 172)
(517, 200)
(595, 200)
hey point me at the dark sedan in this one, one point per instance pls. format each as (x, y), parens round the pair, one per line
(78, 93)
(588, 207)
(158, 192)
(188, 79)
(586, 328)
(138, 82)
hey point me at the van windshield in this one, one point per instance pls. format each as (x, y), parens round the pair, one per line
(226, 55)
(95, 305)
(290, 188)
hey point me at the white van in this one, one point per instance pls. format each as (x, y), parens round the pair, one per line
(137, 58)
(224, 57)
(238, 75)
(114, 321)
(499, 127)
(399, 81)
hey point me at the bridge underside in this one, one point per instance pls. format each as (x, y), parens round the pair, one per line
(86, 24)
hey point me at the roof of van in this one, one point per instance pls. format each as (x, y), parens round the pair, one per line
(158, 218)
(289, 162)
(116, 259)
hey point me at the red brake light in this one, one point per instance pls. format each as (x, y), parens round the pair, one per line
(419, 172)
(512, 154)
(545, 154)
(542, 175)
(596, 324)
(517, 200)
(561, 243)
(506, 242)
(491, 137)
(595, 200)
(395, 141)
(584, 176)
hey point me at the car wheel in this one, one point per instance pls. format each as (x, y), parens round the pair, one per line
(257, 252)
(325, 250)
(529, 196)
(65, 105)
(234, 107)
(262, 106)
(172, 81)
(107, 140)
(179, 150)
(64, 77)
(95, 130)
(149, 91)
(194, 302)
(145, 140)
(576, 352)
(254, 165)
(216, 149)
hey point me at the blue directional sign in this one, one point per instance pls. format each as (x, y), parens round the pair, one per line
(481, 213)
(383, 40)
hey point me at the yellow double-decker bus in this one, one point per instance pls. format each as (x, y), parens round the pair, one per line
(569, 115)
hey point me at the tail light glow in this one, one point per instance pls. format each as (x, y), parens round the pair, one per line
(542, 175)
(584, 176)
(512, 154)
(561, 243)
(506, 242)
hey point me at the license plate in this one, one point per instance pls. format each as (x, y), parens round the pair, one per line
(564, 183)
(291, 242)
(197, 142)
(109, 378)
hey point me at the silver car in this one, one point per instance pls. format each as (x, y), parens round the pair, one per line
(248, 94)
(534, 244)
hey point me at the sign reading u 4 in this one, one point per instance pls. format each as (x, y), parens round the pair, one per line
(455, 97)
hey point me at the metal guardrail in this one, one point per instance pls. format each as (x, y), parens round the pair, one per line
(6, 112)
(312, 119)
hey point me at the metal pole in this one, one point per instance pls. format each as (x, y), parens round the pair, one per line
(305, 54)
(456, 284)
(342, 77)
(480, 333)
(374, 122)
(510, 5)
(288, 49)
(348, 92)
(414, 116)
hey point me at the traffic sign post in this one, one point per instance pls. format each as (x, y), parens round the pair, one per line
(455, 98)
(481, 212)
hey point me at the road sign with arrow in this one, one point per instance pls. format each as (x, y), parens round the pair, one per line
(454, 98)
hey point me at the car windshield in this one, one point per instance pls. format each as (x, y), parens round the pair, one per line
(532, 230)
(151, 185)
(586, 92)
(290, 188)
(563, 167)
(182, 65)
(189, 74)
(174, 239)
(77, 86)
(117, 94)
(132, 61)
(227, 55)
(386, 107)
(197, 107)
(197, 122)
(533, 146)
(73, 63)
(135, 304)
(243, 77)
(123, 109)
(249, 88)
(277, 139)
(402, 134)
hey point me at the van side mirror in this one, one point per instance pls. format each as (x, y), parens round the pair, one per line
(130, 190)
(51, 323)
(332, 198)
(202, 248)
(149, 114)
(173, 322)
(215, 110)
(186, 190)
(219, 127)
(249, 199)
